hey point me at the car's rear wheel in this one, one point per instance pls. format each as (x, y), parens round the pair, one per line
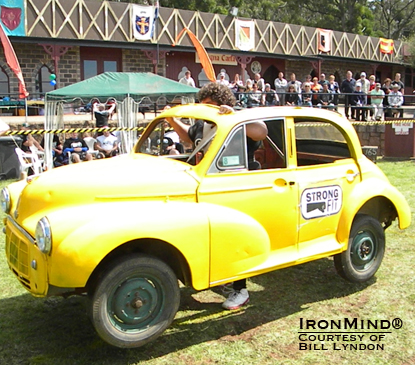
(365, 250)
(135, 301)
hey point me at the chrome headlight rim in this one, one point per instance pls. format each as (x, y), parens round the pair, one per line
(43, 235)
(5, 200)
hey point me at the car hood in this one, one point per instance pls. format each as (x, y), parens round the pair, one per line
(127, 177)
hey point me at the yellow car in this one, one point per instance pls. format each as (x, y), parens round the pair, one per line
(125, 230)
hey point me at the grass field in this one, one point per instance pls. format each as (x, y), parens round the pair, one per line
(57, 331)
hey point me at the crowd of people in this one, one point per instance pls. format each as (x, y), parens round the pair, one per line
(364, 98)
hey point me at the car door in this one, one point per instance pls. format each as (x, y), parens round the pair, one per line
(255, 226)
(326, 176)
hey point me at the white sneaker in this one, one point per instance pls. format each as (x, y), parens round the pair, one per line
(236, 299)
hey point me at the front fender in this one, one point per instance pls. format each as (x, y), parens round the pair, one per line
(96, 230)
(365, 191)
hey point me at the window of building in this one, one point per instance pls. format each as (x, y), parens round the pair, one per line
(95, 61)
(4, 83)
(43, 80)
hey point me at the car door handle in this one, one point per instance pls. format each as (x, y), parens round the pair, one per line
(350, 176)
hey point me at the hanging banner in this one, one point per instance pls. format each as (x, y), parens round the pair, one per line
(12, 17)
(201, 52)
(386, 45)
(143, 19)
(324, 40)
(245, 34)
(13, 62)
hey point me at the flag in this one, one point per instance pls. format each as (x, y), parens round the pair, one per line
(386, 45)
(156, 16)
(245, 34)
(13, 62)
(143, 21)
(324, 40)
(12, 17)
(201, 52)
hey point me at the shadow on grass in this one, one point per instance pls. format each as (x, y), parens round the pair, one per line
(55, 330)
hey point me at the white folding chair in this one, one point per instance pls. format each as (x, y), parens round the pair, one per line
(90, 142)
(29, 160)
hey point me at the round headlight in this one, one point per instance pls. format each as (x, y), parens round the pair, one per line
(5, 200)
(43, 235)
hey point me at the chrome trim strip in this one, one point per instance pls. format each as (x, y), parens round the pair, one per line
(21, 230)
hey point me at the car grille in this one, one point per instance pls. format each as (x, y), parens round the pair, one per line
(17, 251)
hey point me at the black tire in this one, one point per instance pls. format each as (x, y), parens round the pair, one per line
(135, 301)
(365, 250)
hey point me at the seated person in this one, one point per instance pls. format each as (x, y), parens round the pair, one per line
(325, 98)
(269, 97)
(77, 147)
(307, 95)
(59, 158)
(395, 99)
(107, 144)
(292, 97)
(254, 96)
(29, 143)
(357, 102)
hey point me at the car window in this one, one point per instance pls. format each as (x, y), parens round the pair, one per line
(233, 155)
(162, 140)
(319, 142)
(272, 153)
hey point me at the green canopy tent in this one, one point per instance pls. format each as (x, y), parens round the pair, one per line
(130, 90)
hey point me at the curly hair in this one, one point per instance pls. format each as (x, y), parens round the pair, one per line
(218, 93)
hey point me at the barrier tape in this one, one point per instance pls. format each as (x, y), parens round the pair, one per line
(72, 130)
(126, 129)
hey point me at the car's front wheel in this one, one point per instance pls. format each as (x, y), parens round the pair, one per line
(135, 301)
(365, 250)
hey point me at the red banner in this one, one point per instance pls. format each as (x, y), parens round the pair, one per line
(13, 62)
(11, 17)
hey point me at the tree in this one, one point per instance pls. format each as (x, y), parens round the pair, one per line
(394, 18)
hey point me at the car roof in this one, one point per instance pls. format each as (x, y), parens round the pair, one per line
(228, 121)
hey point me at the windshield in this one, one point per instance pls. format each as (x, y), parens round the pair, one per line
(162, 140)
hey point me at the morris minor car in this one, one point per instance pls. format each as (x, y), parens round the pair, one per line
(126, 230)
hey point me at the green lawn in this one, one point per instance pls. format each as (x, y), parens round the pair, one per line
(57, 331)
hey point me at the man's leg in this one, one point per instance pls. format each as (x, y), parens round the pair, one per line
(239, 297)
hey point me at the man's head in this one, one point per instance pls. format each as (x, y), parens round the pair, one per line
(358, 87)
(363, 75)
(74, 135)
(322, 77)
(101, 107)
(187, 74)
(397, 76)
(281, 75)
(325, 87)
(349, 75)
(267, 87)
(377, 86)
(292, 77)
(257, 76)
(216, 94)
(395, 87)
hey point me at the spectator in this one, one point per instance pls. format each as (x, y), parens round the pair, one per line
(101, 115)
(281, 87)
(241, 98)
(107, 144)
(110, 106)
(364, 84)
(269, 97)
(254, 96)
(77, 147)
(315, 88)
(187, 79)
(358, 102)
(326, 98)
(322, 80)
(222, 80)
(293, 81)
(59, 158)
(377, 95)
(347, 87)
(307, 95)
(334, 89)
(260, 82)
(372, 85)
(395, 99)
(387, 88)
(29, 143)
(308, 79)
(398, 81)
(234, 85)
(292, 98)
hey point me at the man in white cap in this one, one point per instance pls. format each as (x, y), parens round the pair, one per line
(222, 80)
(395, 99)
